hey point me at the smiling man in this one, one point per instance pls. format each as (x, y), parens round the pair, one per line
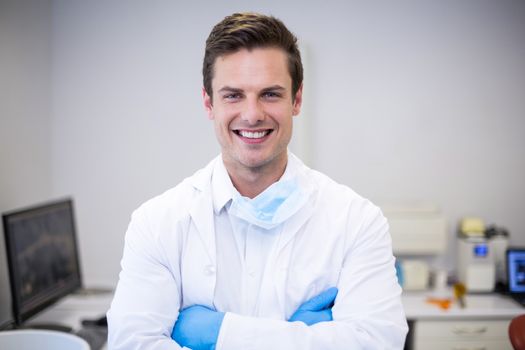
(252, 108)
(256, 250)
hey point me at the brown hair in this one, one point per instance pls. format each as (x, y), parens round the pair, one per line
(249, 31)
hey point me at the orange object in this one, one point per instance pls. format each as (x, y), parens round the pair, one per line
(441, 303)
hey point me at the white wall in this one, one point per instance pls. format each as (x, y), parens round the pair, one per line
(425, 101)
(407, 101)
(24, 102)
(25, 167)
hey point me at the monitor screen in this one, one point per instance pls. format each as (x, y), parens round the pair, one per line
(516, 270)
(42, 256)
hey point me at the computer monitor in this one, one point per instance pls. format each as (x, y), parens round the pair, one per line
(42, 256)
(516, 270)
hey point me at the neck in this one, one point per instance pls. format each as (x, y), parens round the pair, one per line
(250, 182)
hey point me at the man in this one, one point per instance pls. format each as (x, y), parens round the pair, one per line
(256, 251)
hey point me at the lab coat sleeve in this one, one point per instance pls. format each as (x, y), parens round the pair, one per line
(147, 297)
(367, 314)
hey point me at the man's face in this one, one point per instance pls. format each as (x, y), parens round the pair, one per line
(252, 107)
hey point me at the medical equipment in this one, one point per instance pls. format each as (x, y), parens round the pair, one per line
(498, 243)
(476, 268)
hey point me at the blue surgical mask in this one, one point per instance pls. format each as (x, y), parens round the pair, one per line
(273, 206)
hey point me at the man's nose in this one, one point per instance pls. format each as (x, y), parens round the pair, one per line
(253, 113)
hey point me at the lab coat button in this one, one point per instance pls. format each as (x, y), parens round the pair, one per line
(209, 270)
(251, 273)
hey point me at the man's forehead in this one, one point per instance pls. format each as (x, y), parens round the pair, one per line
(264, 67)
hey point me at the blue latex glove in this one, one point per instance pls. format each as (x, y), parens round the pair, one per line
(317, 309)
(198, 328)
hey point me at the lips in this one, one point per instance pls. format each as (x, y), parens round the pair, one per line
(253, 134)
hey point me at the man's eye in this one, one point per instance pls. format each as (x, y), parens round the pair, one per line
(232, 96)
(271, 95)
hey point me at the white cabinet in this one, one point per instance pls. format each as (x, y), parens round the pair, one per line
(461, 335)
(481, 325)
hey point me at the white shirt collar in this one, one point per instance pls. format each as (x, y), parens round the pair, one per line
(222, 187)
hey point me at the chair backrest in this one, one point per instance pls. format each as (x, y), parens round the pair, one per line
(31, 339)
(517, 332)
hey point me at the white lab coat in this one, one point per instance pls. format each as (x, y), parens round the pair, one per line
(339, 239)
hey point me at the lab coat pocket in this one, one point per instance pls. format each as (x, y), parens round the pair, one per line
(303, 285)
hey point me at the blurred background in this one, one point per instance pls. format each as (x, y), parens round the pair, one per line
(405, 102)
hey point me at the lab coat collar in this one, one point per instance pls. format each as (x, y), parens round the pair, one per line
(221, 186)
(201, 179)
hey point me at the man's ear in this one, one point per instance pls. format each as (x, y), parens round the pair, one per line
(298, 101)
(208, 106)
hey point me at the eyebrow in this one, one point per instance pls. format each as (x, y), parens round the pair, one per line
(229, 89)
(274, 88)
(270, 88)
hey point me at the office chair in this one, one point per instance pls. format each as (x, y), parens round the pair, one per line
(30, 339)
(517, 332)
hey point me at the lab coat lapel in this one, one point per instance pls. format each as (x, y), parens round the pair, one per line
(281, 259)
(202, 217)
(201, 211)
(199, 266)
(291, 227)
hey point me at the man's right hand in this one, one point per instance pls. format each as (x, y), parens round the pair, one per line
(317, 309)
(197, 327)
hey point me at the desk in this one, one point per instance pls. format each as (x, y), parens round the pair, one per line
(482, 325)
(71, 310)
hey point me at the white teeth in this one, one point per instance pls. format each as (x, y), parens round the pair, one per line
(253, 134)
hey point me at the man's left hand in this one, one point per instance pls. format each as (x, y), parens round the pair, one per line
(318, 309)
(198, 327)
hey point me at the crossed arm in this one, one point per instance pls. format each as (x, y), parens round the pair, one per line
(198, 327)
(366, 315)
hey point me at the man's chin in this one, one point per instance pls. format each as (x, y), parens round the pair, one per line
(254, 161)
(260, 161)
